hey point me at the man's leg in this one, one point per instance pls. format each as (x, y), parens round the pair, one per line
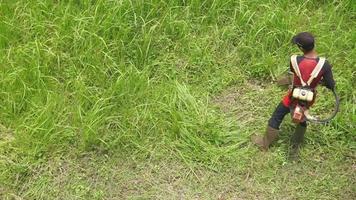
(278, 116)
(298, 136)
(297, 140)
(272, 128)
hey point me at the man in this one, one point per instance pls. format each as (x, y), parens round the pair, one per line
(306, 64)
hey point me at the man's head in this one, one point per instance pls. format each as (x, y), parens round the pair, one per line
(304, 40)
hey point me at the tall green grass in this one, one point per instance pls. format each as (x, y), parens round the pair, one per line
(136, 78)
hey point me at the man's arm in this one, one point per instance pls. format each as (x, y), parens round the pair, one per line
(328, 79)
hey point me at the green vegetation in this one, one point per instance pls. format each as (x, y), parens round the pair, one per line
(153, 99)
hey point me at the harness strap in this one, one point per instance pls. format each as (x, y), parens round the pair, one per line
(313, 75)
(316, 70)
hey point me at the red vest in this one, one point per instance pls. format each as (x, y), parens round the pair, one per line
(306, 66)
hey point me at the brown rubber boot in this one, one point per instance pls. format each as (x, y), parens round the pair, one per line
(263, 142)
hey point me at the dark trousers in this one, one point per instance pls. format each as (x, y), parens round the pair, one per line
(278, 115)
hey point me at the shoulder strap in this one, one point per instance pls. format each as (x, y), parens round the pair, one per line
(314, 73)
(316, 70)
(295, 66)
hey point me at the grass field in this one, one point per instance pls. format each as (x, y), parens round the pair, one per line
(153, 99)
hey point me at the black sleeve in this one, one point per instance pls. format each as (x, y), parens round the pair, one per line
(328, 79)
(290, 67)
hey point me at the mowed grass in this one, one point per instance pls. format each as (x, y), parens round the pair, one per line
(157, 100)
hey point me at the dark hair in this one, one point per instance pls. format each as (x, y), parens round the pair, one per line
(305, 41)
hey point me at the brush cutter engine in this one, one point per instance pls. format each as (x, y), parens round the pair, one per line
(303, 93)
(298, 114)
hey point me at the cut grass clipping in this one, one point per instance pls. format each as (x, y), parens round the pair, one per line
(157, 100)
